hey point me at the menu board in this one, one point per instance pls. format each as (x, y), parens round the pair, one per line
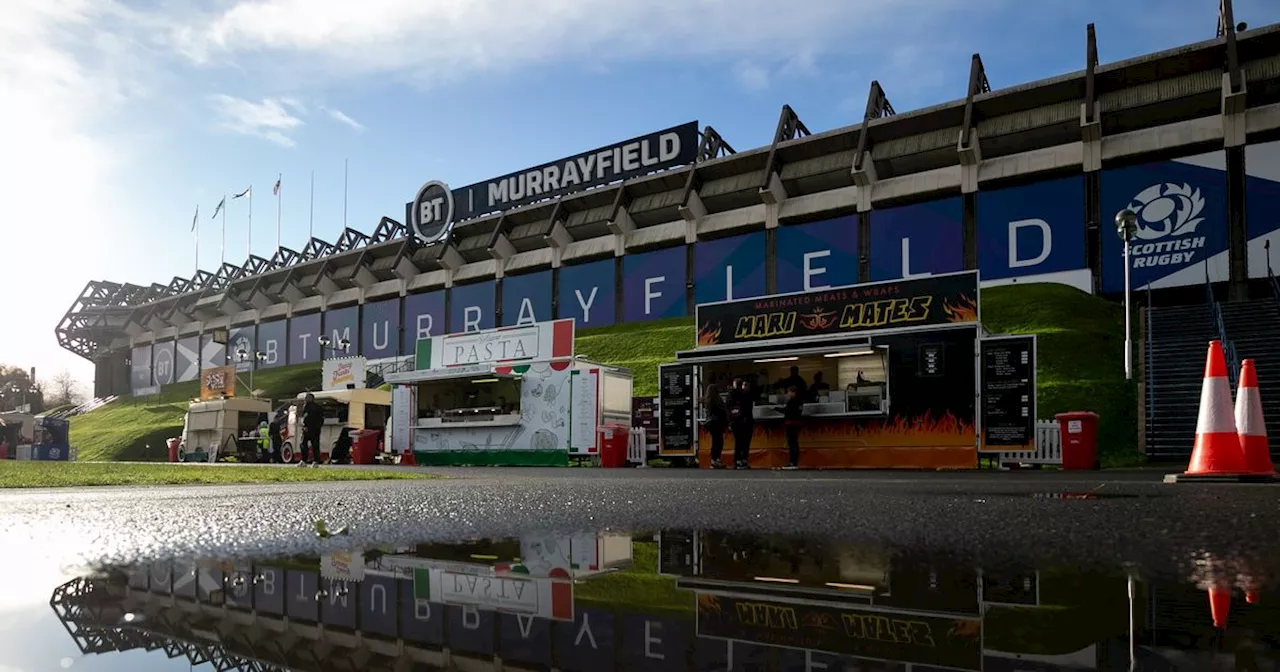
(403, 407)
(585, 415)
(675, 408)
(932, 361)
(1009, 392)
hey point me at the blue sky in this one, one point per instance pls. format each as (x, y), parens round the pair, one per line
(127, 115)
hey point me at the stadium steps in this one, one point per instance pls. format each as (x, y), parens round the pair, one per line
(1178, 339)
(1254, 328)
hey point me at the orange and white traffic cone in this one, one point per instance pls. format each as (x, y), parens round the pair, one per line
(1250, 423)
(1217, 455)
(1219, 606)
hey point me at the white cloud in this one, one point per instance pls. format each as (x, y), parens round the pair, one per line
(340, 116)
(61, 75)
(430, 41)
(752, 77)
(268, 119)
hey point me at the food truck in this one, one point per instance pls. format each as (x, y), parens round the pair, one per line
(897, 374)
(508, 396)
(219, 424)
(15, 430)
(219, 428)
(355, 411)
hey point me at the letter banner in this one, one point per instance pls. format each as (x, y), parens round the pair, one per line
(925, 301)
(942, 641)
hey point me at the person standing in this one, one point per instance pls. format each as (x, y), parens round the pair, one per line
(717, 423)
(792, 421)
(312, 421)
(742, 421)
(276, 435)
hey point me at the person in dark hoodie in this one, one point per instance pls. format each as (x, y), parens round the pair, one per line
(312, 421)
(742, 422)
(792, 421)
(717, 423)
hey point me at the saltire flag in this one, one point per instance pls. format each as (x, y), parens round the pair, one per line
(195, 219)
(219, 208)
(243, 193)
(275, 191)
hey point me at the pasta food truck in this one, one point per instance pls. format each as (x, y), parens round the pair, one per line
(897, 374)
(507, 396)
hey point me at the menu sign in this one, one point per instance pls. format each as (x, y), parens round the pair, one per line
(932, 300)
(644, 415)
(912, 637)
(1009, 393)
(675, 409)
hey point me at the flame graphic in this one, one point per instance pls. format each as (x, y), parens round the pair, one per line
(818, 320)
(964, 309)
(709, 604)
(925, 441)
(709, 335)
(968, 629)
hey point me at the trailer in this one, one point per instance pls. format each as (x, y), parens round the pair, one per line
(361, 413)
(214, 429)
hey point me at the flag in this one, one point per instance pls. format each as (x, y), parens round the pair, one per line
(195, 219)
(219, 208)
(243, 193)
(275, 191)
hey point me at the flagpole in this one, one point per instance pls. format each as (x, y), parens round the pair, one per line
(223, 248)
(279, 198)
(249, 243)
(195, 227)
(344, 194)
(311, 219)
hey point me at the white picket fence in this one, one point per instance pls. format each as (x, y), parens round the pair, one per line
(637, 451)
(1048, 447)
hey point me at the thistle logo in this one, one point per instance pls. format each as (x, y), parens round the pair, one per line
(1168, 215)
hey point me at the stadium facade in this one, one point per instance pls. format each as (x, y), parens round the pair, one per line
(1020, 183)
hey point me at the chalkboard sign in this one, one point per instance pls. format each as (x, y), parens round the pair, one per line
(677, 430)
(1009, 393)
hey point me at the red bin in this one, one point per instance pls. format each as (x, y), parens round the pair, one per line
(172, 445)
(613, 446)
(1079, 432)
(364, 445)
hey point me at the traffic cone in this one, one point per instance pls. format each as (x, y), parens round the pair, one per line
(1250, 423)
(1219, 606)
(1217, 448)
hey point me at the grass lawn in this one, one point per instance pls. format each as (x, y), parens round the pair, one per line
(637, 589)
(640, 347)
(72, 474)
(1080, 339)
(135, 429)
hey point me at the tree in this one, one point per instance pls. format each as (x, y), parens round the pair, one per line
(17, 388)
(66, 390)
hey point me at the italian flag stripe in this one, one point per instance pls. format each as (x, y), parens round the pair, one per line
(561, 339)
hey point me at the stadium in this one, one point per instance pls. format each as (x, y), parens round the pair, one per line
(1020, 184)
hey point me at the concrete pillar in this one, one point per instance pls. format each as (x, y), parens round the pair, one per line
(1095, 224)
(864, 246)
(770, 261)
(1237, 234)
(970, 231)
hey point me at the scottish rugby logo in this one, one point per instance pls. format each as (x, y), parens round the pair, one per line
(1168, 215)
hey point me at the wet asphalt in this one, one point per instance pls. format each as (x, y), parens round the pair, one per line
(992, 518)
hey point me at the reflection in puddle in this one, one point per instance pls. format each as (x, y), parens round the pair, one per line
(679, 600)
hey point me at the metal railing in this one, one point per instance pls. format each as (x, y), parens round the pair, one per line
(1228, 348)
(1271, 277)
(1048, 448)
(1149, 383)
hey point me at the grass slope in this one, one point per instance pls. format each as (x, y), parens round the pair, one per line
(136, 429)
(76, 474)
(639, 589)
(1080, 342)
(640, 347)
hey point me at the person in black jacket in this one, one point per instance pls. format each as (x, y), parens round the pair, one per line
(742, 421)
(312, 421)
(276, 432)
(717, 423)
(793, 420)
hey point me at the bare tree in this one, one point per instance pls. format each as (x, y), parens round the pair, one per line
(65, 390)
